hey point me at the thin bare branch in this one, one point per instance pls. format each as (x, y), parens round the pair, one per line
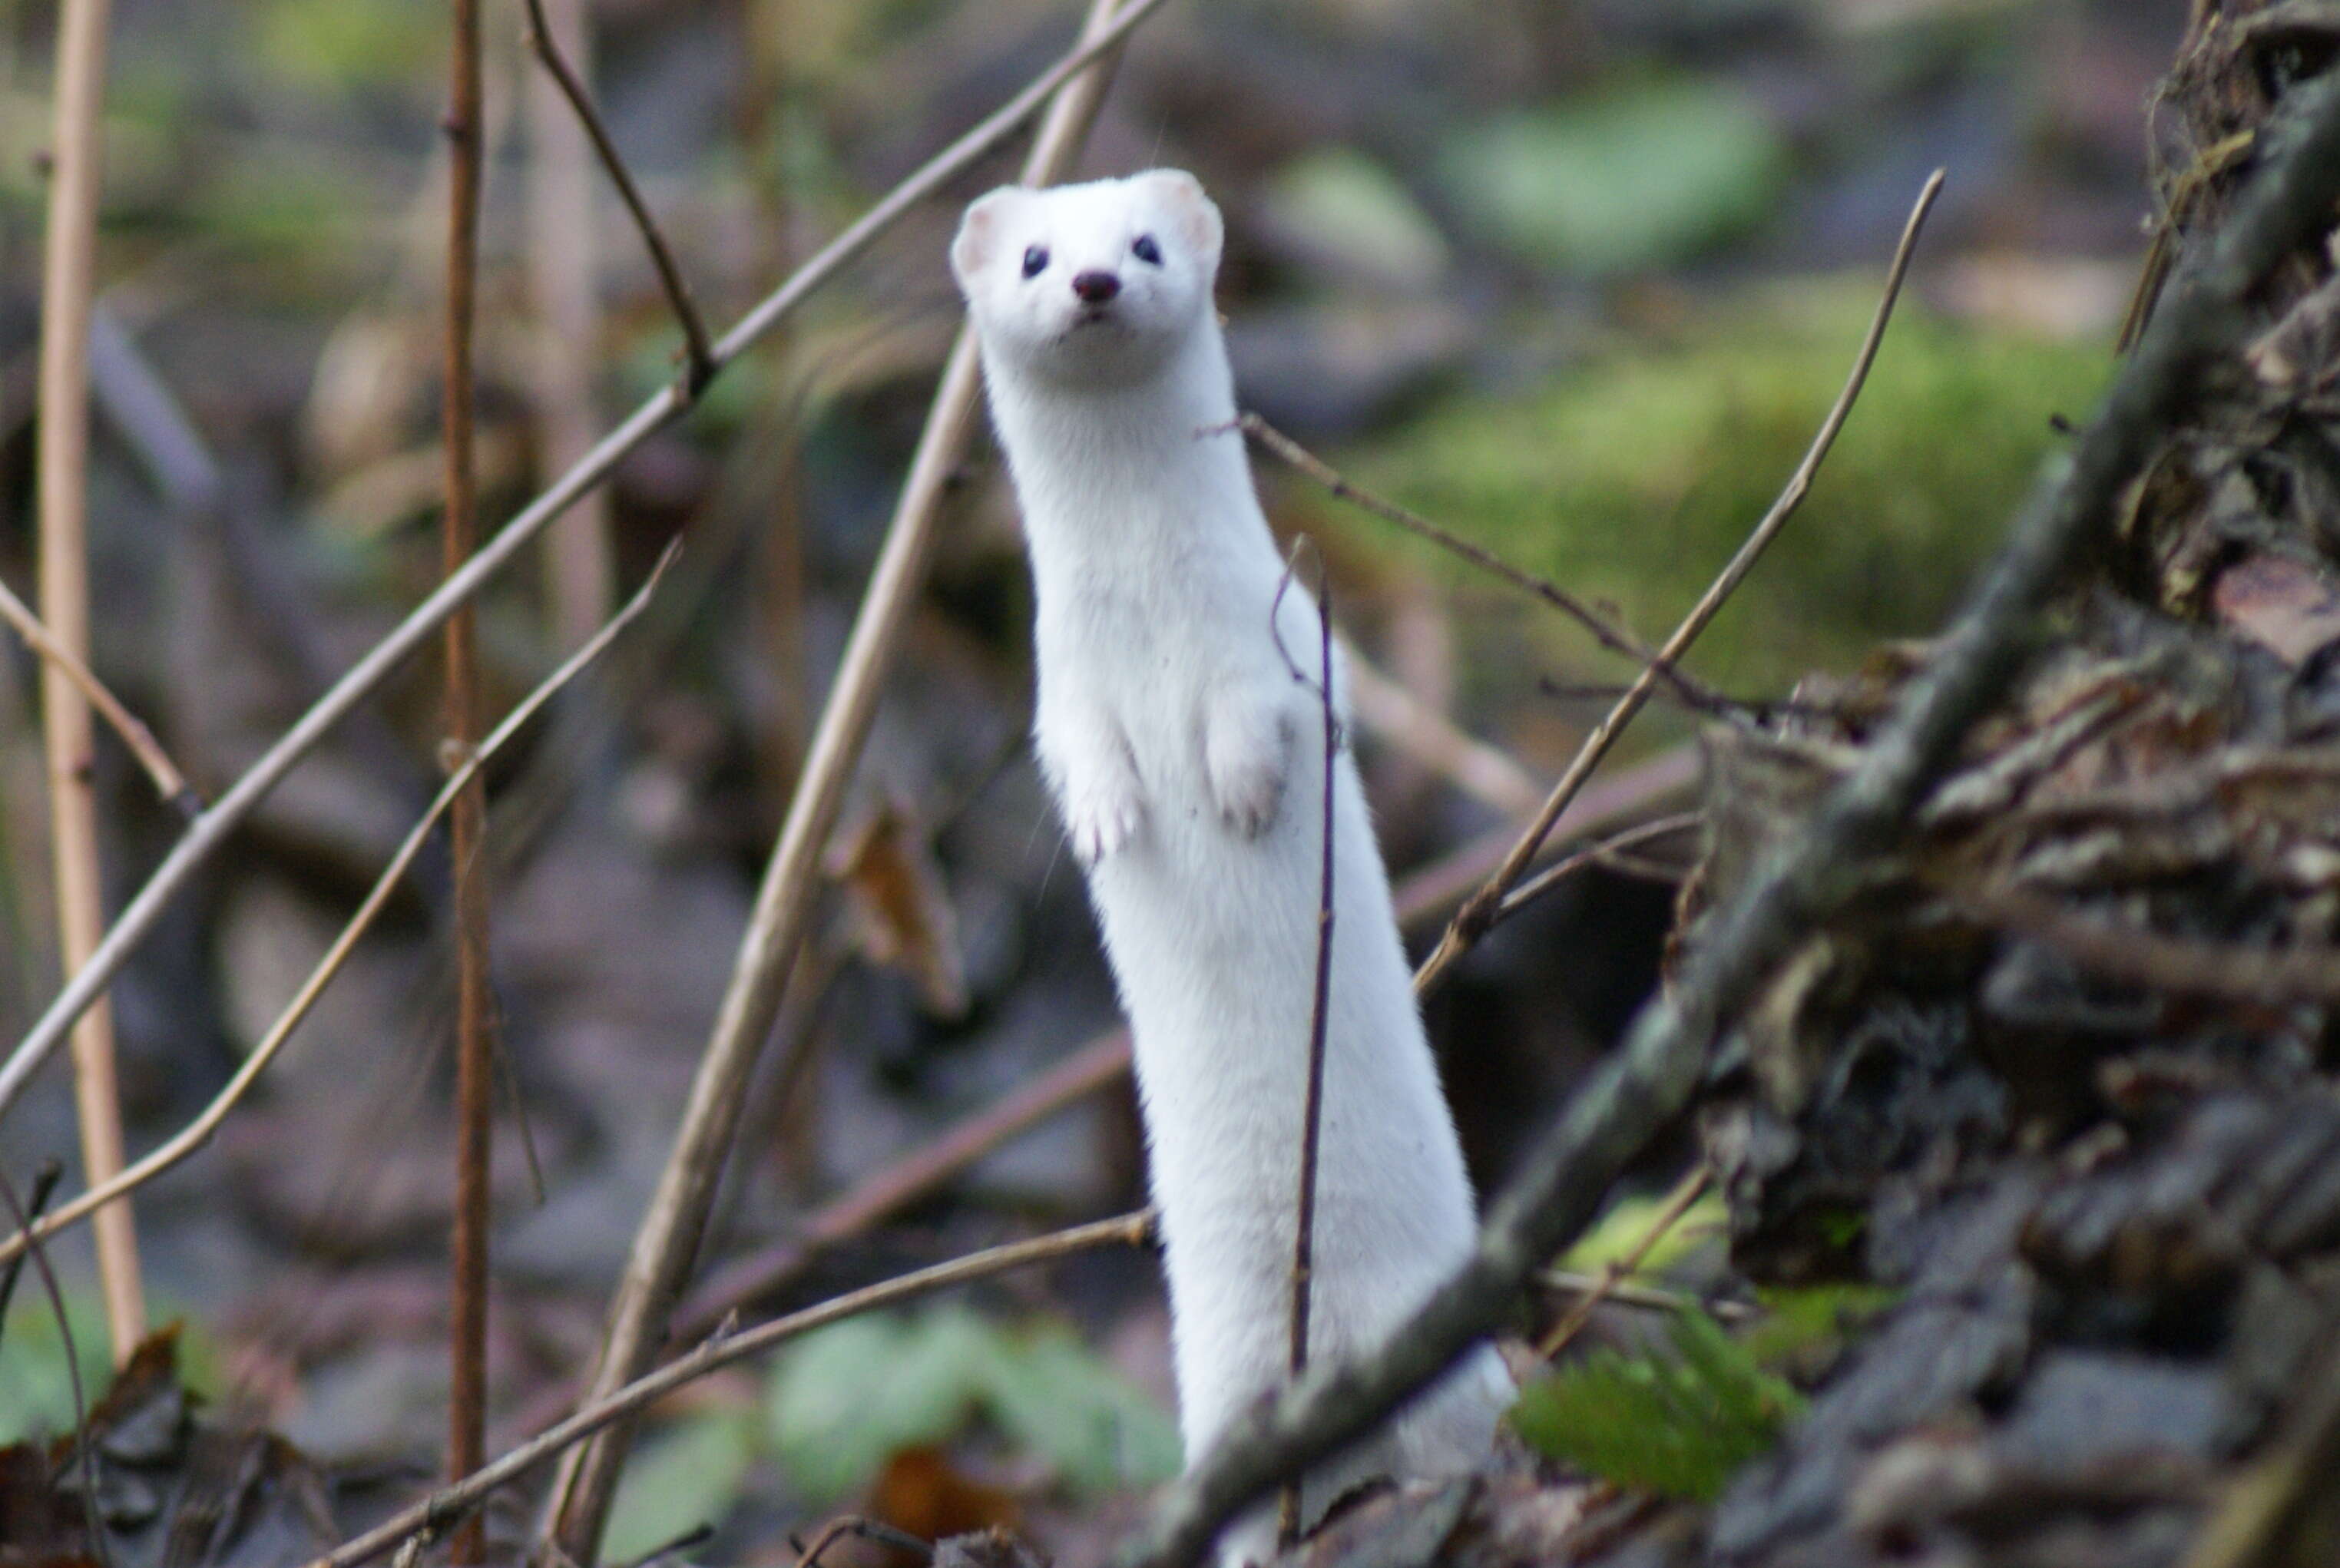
(459, 531)
(1598, 854)
(69, 266)
(1643, 1084)
(1477, 916)
(451, 1503)
(85, 1444)
(699, 363)
(198, 1132)
(1312, 1102)
(169, 783)
(1614, 1274)
(1610, 635)
(1657, 1299)
(209, 831)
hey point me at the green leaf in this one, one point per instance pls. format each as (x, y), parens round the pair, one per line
(38, 1399)
(848, 1397)
(677, 1481)
(1621, 1230)
(1634, 177)
(1679, 1424)
(1058, 1397)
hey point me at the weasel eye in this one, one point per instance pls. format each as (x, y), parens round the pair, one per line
(1146, 250)
(1036, 260)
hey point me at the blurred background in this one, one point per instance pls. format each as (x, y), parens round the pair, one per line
(1577, 280)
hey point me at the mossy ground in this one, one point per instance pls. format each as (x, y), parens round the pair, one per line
(1633, 478)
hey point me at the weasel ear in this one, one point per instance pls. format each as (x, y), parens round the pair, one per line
(1195, 215)
(980, 231)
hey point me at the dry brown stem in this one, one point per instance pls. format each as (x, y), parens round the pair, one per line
(1477, 916)
(563, 266)
(699, 363)
(450, 1503)
(69, 260)
(466, 1307)
(169, 783)
(667, 1241)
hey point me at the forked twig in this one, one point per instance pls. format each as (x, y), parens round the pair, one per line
(212, 830)
(699, 363)
(169, 783)
(1595, 854)
(197, 1133)
(1479, 914)
(450, 1503)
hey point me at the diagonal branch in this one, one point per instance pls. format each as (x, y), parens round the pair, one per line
(699, 362)
(1477, 916)
(209, 831)
(722, 1348)
(1650, 1077)
(1610, 635)
(168, 781)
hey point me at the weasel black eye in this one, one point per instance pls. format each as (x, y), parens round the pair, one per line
(1146, 250)
(1036, 260)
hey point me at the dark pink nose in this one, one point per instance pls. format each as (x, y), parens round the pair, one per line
(1096, 287)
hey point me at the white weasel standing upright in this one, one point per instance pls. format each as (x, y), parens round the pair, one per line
(1186, 761)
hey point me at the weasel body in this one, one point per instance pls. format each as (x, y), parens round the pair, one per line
(1187, 761)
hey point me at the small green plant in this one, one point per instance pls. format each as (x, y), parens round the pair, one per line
(1678, 1423)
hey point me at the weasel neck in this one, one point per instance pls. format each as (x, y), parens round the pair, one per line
(1144, 460)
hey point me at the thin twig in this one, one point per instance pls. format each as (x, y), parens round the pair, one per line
(1477, 916)
(1311, 1103)
(861, 1528)
(564, 358)
(1610, 635)
(1643, 1084)
(1601, 854)
(699, 363)
(84, 1440)
(198, 1132)
(723, 1349)
(69, 265)
(1654, 1297)
(1614, 1272)
(668, 1238)
(169, 783)
(467, 1306)
(45, 1186)
(212, 830)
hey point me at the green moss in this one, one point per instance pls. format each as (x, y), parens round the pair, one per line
(1634, 479)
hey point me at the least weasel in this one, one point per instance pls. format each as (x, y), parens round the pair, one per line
(1186, 761)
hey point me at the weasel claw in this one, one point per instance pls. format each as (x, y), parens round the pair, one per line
(1102, 826)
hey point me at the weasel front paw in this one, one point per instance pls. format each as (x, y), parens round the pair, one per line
(1247, 756)
(1102, 817)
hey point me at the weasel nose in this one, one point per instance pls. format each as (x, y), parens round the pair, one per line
(1096, 287)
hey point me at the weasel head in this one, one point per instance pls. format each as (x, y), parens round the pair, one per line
(1094, 283)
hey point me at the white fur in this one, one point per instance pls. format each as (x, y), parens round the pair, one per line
(1188, 764)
